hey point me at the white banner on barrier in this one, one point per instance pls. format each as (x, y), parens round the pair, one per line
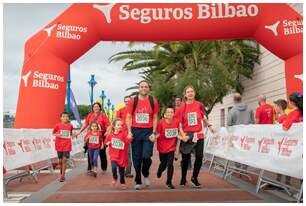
(22, 147)
(266, 147)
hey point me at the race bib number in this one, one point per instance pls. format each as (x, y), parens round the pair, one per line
(65, 134)
(117, 144)
(192, 119)
(94, 140)
(142, 118)
(170, 133)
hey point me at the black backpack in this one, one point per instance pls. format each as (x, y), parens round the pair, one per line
(151, 100)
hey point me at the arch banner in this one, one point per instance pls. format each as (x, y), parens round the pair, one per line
(50, 51)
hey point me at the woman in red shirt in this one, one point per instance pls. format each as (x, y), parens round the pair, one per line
(296, 116)
(191, 116)
(97, 116)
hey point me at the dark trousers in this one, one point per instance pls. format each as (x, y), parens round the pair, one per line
(121, 172)
(103, 159)
(128, 170)
(166, 161)
(199, 148)
(142, 151)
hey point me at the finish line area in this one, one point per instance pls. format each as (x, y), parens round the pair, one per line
(80, 187)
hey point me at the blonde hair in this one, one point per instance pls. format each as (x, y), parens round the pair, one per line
(188, 87)
(111, 128)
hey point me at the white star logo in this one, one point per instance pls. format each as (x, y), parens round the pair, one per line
(49, 30)
(106, 10)
(25, 78)
(273, 28)
(299, 76)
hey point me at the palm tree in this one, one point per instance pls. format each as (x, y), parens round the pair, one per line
(213, 67)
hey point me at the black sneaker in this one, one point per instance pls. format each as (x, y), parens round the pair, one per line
(195, 183)
(183, 182)
(170, 186)
(159, 174)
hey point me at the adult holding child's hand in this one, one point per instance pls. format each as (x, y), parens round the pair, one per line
(101, 119)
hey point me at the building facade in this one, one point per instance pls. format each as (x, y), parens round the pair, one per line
(268, 79)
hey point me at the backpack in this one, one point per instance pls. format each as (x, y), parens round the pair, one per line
(151, 100)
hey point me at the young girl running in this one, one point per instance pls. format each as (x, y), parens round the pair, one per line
(118, 143)
(168, 132)
(94, 141)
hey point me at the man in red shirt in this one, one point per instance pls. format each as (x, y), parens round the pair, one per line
(265, 113)
(141, 122)
(121, 114)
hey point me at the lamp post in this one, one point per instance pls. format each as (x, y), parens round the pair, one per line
(92, 82)
(103, 96)
(68, 91)
(113, 110)
(108, 107)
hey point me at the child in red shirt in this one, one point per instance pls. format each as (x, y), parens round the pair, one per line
(280, 107)
(94, 141)
(118, 142)
(168, 131)
(63, 133)
(296, 116)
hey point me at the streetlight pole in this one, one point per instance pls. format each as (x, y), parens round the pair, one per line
(92, 82)
(103, 96)
(68, 91)
(113, 110)
(108, 107)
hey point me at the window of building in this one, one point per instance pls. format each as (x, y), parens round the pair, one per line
(222, 118)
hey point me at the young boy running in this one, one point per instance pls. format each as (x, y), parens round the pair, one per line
(63, 133)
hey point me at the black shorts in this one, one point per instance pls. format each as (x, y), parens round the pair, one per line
(60, 155)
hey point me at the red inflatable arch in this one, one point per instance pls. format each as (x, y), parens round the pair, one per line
(49, 53)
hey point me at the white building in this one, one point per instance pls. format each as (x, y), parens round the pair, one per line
(268, 79)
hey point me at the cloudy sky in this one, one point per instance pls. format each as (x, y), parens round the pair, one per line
(21, 21)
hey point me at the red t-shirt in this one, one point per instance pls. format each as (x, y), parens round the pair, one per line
(293, 117)
(281, 118)
(191, 117)
(102, 120)
(121, 114)
(168, 133)
(63, 143)
(94, 139)
(265, 113)
(143, 115)
(118, 147)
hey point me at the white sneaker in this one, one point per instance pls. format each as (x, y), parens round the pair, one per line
(137, 187)
(146, 181)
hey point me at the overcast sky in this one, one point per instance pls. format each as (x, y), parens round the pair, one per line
(21, 21)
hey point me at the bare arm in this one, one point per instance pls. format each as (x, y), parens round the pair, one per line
(128, 123)
(155, 121)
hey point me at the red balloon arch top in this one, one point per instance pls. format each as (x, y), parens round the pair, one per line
(49, 52)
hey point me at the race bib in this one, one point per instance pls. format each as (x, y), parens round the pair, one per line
(65, 134)
(170, 133)
(192, 119)
(142, 118)
(117, 144)
(94, 140)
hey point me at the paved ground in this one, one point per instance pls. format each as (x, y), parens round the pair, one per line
(82, 188)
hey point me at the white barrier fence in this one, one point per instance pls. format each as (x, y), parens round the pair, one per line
(22, 147)
(267, 147)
